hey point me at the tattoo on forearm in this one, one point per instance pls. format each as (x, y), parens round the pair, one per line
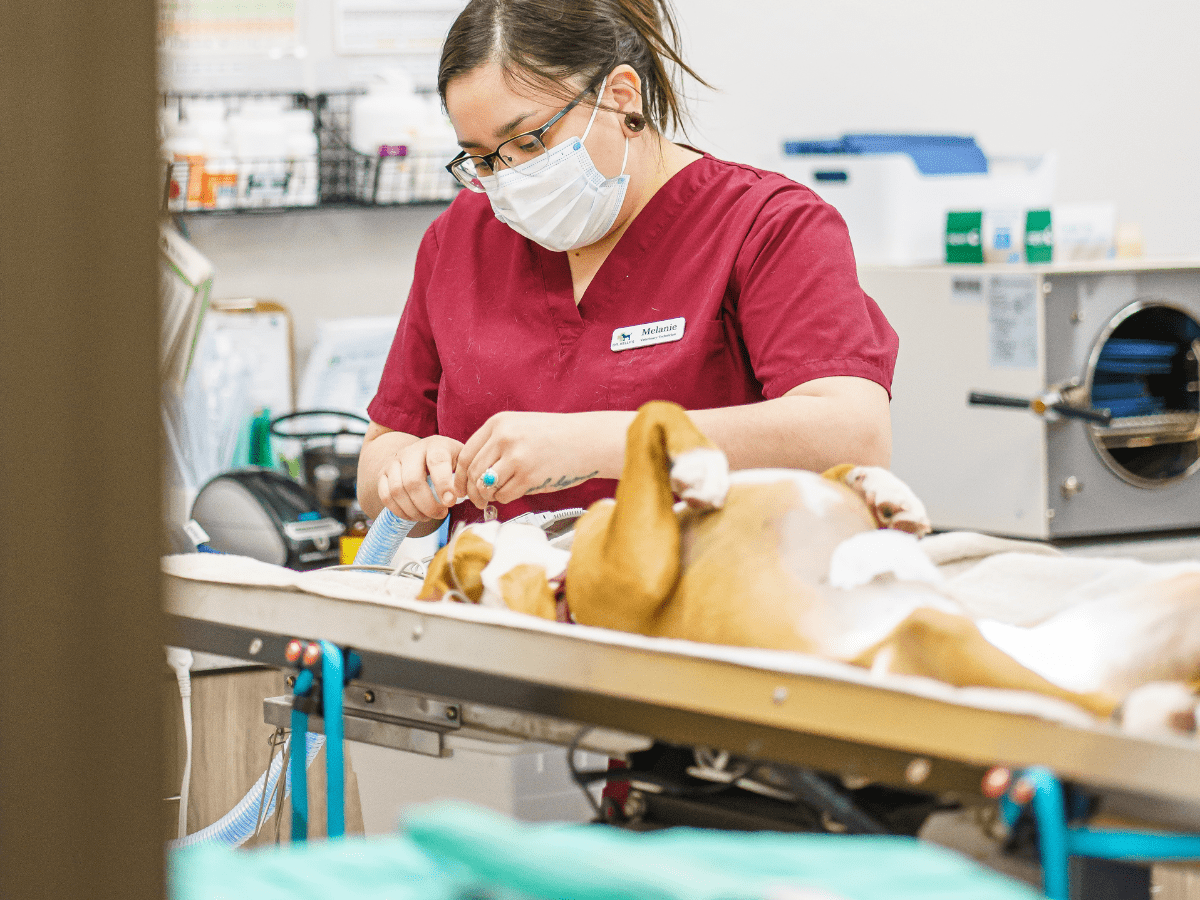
(564, 481)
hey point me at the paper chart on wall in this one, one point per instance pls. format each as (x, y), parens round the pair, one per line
(345, 364)
(393, 26)
(229, 26)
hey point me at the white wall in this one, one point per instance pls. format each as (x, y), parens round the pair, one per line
(1113, 87)
(319, 263)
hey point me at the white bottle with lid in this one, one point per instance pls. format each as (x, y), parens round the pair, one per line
(384, 126)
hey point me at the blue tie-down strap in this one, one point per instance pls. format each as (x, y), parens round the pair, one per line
(332, 682)
(322, 695)
(301, 706)
(1058, 842)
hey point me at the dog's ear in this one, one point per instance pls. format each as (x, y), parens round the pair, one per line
(525, 589)
(468, 553)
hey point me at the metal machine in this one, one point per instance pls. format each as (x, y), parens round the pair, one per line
(1103, 356)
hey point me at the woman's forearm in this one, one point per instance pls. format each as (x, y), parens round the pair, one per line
(816, 426)
(379, 448)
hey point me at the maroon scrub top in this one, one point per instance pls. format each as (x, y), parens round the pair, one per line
(759, 268)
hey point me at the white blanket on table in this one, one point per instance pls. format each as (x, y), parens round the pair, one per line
(1017, 582)
(1025, 582)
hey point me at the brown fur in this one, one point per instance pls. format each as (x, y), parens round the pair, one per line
(754, 573)
(471, 554)
(721, 577)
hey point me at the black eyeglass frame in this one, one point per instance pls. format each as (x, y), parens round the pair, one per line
(537, 133)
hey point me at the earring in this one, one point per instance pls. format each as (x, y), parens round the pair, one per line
(635, 122)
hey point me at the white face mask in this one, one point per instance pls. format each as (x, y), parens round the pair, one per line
(567, 203)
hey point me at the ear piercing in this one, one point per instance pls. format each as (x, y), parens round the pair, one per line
(635, 122)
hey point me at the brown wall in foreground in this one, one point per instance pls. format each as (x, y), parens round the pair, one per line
(80, 642)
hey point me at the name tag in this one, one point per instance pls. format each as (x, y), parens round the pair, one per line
(651, 333)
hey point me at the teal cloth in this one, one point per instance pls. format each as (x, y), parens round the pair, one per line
(591, 862)
(455, 851)
(377, 868)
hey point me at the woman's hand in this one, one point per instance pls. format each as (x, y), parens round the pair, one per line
(404, 480)
(532, 453)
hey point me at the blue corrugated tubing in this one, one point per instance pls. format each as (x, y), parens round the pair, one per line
(237, 826)
(383, 539)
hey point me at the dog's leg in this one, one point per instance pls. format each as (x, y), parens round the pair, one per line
(1160, 708)
(890, 500)
(950, 648)
(625, 557)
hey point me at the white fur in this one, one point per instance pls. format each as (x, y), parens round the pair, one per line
(880, 488)
(1159, 708)
(701, 477)
(817, 493)
(516, 545)
(872, 554)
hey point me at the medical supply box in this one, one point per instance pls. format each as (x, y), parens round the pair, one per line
(894, 191)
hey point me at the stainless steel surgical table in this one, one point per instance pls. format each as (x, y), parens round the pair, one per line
(432, 668)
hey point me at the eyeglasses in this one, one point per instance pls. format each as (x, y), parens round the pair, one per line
(525, 150)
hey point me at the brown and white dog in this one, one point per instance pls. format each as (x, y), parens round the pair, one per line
(826, 565)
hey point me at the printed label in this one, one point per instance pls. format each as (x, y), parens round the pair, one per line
(1012, 322)
(645, 335)
(964, 237)
(1039, 236)
(194, 531)
(966, 290)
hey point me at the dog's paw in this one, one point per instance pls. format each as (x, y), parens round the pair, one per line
(892, 502)
(701, 477)
(1159, 708)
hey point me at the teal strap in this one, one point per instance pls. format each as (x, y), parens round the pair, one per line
(1052, 832)
(1133, 845)
(1057, 841)
(331, 696)
(299, 743)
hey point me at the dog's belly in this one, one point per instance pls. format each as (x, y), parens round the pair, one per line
(751, 572)
(755, 574)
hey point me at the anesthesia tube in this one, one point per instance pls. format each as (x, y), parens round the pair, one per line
(383, 539)
(237, 826)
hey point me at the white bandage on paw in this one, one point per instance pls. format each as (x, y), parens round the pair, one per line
(701, 477)
(1159, 708)
(890, 499)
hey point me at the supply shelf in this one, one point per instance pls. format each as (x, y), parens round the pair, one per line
(316, 166)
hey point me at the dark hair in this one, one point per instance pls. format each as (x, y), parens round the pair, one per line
(543, 42)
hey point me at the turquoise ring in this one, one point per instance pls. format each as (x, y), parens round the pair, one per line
(488, 478)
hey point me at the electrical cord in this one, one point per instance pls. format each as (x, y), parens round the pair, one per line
(264, 807)
(181, 661)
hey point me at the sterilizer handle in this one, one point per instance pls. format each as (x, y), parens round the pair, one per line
(1040, 406)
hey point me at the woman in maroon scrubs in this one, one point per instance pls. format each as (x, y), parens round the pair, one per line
(593, 265)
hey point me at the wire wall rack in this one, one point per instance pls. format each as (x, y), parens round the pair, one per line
(310, 163)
